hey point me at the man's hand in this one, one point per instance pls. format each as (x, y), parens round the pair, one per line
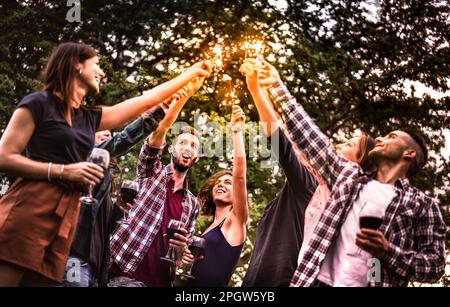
(372, 241)
(180, 242)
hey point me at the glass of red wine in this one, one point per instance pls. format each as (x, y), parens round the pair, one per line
(370, 217)
(128, 192)
(174, 227)
(197, 249)
(101, 158)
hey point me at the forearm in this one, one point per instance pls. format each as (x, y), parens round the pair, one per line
(414, 266)
(16, 165)
(240, 204)
(307, 136)
(124, 140)
(267, 113)
(425, 260)
(130, 109)
(158, 137)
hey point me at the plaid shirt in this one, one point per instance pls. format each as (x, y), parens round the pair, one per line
(130, 243)
(124, 140)
(412, 224)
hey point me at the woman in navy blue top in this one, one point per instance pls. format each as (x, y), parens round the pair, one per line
(223, 195)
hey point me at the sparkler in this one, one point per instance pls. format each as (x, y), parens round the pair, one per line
(254, 47)
(216, 56)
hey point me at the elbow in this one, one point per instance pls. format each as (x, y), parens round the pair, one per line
(4, 162)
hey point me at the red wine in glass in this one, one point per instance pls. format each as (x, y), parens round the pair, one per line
(173, 228)
(370, 222)
(128, 194)
(172, 231)
(197, 249)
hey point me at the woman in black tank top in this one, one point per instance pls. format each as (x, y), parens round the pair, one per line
(223, 195)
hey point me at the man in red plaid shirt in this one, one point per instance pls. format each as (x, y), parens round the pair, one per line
(136, 246)
(410, 243)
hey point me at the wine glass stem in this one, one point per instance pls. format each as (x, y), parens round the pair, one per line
(189, 272)
(90, 191)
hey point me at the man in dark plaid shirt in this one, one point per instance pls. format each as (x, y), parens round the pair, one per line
(409, 245)
(136, 247)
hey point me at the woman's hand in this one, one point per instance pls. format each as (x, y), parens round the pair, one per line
(83, 172)
(123, 206)
(187, 258)
(237, 118)
(201, 69)
(250, 70)
(267, 73)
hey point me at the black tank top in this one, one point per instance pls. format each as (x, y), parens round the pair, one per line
(220, 261)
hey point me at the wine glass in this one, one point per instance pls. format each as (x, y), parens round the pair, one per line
(371, 217)
(174, 227)
(101, 158)
(128, 192)
(197, 249)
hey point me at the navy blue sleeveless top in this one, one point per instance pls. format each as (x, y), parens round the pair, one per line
(220, 261)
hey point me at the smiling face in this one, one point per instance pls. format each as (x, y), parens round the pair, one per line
(91, 74)
(222, 191)
(351, 149)
(391, 147)
(185, 151)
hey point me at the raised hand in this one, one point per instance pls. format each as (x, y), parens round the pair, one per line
(237, 119)
(202, 68)
(267, 73)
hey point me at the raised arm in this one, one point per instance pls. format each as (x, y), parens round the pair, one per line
(130, 109)
(240, 203)
(177, 102)
(296, 173)
(270, 118)
(304, 132)
(124, 140)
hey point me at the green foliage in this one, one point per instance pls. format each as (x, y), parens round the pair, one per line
(344, 63)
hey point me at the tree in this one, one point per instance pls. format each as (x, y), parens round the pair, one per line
(345, 61)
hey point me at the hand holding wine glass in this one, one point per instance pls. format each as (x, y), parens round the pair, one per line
(99, 157)
(128, 192)
(177, 238)
(370, 218)
(196, 251)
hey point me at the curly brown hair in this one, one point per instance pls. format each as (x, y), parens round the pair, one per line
(205, 197)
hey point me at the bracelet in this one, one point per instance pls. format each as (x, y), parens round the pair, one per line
(62, 171)
(236, 129)
(49, 171)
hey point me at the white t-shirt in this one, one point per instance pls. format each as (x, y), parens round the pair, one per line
(339, 269)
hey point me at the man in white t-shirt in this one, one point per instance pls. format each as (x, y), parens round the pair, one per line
(409, 245)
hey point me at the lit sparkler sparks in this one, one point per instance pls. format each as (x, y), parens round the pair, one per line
(254, 47)
(217, 56)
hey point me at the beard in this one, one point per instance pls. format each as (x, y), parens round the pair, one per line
(179, 166)
(377, 155)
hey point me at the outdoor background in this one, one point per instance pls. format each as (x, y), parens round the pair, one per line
(369, 65)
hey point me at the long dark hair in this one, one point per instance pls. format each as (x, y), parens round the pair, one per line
(205, 196)
(59, 73)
